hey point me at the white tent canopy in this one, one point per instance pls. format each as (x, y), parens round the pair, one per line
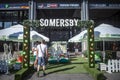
(108, 31)
(78, 37)
(103, 31)
(34, 36)
(4, 33)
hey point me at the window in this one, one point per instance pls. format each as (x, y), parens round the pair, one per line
(7, 24)
(0, 24)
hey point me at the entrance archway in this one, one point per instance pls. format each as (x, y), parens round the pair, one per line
(26, 40)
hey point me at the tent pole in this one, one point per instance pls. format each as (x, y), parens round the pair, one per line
(18, 46)
(103, 50)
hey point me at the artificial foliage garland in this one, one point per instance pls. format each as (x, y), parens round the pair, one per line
(90, 42)
(36, 23)
(85, 24)
(31, 23)
(90, 31)
(26, 44)
(27, 23)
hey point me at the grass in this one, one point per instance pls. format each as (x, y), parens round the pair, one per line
(75, 66)
(97, 75)
(21, 73)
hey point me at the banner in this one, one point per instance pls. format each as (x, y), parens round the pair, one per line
(58, 22)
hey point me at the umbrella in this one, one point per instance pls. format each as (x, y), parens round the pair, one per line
(4, 33)
(78, 37)
(34, 36)
(104, 32)
(14, 36)
(15, 33)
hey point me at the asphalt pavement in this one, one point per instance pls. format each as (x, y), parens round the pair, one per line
(54, 76)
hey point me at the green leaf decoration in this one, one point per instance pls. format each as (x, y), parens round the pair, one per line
(85, 24)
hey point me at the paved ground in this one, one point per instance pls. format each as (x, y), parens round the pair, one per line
(56, 76)
(6, 77)
(53, 76)
(112, 76)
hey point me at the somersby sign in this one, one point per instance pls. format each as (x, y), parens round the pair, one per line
(58, 22)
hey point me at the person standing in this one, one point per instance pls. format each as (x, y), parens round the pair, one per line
(34, 51)
(76, 48)
(114, 52)
(42, 54)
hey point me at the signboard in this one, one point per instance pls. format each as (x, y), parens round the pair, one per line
(75, 5)
(58, 22)
(57, 5)
(104, 5)
(69, 5)
(14, 6)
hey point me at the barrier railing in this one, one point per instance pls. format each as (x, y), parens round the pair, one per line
(111, 66)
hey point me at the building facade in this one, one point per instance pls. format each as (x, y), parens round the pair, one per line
(101, 11)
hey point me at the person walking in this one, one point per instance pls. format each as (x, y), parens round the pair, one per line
(42, 54)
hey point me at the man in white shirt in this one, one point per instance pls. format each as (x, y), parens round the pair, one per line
(42, 52)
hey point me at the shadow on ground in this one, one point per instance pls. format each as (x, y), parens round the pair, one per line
(51, 72)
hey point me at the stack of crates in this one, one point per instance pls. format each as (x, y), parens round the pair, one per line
(3, 66)
(17, 66)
